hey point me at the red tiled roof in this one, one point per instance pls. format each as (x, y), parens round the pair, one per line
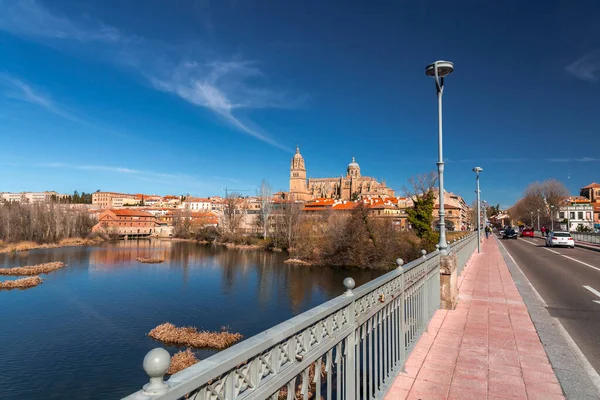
(593, 185)
(129, 212)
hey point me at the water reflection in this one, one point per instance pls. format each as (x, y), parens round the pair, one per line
(89, 320)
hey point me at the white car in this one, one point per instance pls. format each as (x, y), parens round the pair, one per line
(560, 239)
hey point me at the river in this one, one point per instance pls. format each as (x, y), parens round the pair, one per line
(82, 333)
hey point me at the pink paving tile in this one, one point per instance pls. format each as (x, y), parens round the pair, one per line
(488, 341)
(463, 393)
(544, 396)
(403, 382)
(436, 376)
(396, 394)
(428, 390)
(543, 387)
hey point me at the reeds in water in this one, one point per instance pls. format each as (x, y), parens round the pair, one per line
(32, 269)
(149, 260)
(23, 283)
(189, 336)
(181, 360)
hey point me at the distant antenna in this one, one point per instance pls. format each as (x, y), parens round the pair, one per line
(226, 189)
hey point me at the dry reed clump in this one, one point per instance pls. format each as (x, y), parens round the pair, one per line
(23, 283)
(189, 336)
(312, 386)
(296, 261)
(77, 241)
(181, 360)
(150, 260)
(32, 269)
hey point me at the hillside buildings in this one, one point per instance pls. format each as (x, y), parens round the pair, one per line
(351, 187)
(32, 197)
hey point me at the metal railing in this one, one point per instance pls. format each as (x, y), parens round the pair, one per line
(588, 237)
(351, 347)
(464, 248)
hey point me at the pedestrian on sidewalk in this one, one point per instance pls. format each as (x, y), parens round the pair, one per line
(543, 230)
(487, 231)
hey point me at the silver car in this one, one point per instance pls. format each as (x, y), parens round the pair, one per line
(560, 239)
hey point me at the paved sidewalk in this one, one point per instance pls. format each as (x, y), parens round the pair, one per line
(487, 348)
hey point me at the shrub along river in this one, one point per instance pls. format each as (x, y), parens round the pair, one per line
(82, 333)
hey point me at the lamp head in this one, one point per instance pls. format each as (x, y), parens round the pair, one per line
(444, 68)
(477, 169)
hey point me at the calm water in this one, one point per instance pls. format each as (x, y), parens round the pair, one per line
(82, 333)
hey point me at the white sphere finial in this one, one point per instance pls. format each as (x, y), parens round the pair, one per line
(399, 262)
(156, 364)
(349, 285)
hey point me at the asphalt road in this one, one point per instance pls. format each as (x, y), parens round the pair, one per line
(561, 275)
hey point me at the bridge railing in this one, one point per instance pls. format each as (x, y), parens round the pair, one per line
(463, 249)
(351, 347)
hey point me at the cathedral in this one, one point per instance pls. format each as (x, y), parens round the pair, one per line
(349, 187)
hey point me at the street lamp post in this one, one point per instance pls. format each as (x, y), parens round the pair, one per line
(477, 170)
(439, 70)
(538, 212)
(531, 213)
(552, 217)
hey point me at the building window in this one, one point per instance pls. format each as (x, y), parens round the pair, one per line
(572, 215)
(580, 215)
(561, 215)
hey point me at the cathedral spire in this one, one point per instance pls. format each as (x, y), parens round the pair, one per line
(297, 149)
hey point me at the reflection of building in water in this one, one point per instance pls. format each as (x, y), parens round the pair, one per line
(128, 251)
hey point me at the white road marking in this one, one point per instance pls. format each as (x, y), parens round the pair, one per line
(591, 289)
(560, 254)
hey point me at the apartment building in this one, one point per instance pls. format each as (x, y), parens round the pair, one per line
(32, 197)
(196, 204)
(112, 199)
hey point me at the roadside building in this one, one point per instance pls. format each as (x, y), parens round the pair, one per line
(576, 213)
(592, 192)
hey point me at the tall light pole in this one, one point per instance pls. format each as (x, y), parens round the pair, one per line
(538, 219)
(531, 213)
(477, 170)
(552, 217)
(439, 70)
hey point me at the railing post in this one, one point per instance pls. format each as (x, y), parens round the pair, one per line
(350, 367)
(156, 363)
(402, 320)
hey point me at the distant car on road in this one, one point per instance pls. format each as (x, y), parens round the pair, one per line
(527, 232)
(560, 239)
(510, 233)
(501, 232)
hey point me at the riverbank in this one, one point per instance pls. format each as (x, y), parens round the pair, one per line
(26, 245)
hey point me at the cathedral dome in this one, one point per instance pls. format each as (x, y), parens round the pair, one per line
(297, 155)
(353, 164)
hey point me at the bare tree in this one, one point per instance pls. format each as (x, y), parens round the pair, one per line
(233, 213)
(265, 195)
(421, 184)
(544, 197)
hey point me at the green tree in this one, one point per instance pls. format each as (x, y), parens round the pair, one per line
(420, 216)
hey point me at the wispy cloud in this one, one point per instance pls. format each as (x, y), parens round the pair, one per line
(522, 159)
(219, 84)
(587, 67)
(31, 19)
(17, 89)
(567, 160)
(115, 169)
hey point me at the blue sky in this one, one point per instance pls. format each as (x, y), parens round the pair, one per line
(194, 96)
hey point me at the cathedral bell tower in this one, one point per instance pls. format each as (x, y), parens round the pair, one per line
(298, 190)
